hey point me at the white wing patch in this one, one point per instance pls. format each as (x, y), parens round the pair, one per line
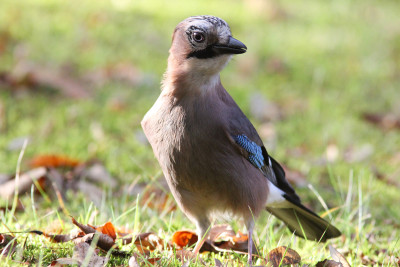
(275, 196)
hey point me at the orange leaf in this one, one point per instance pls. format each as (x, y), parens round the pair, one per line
(184, 238)
(54, 161)
(108, 229)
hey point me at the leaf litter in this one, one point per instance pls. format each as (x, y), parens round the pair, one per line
(55, 174)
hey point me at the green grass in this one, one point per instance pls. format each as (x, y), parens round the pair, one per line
(340, 58)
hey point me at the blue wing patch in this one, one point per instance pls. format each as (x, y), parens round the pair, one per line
(255, 153)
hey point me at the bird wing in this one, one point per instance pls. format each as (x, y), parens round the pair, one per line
(258, 156)
(283, 202)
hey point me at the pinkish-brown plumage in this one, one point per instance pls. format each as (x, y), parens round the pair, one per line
(192, 128)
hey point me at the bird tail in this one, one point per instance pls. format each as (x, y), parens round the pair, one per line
(303, 222)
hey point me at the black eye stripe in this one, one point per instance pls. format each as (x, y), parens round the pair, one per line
(208, 52)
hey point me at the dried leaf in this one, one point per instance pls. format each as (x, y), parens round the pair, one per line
(104, 242)
(8, 245)
(153, 261)
(149, 241)
(26, 74)
(184, 238)
(336, 256)
(64, 261)
(218, 263)
(328, 263)
(220, 230)
(85, 228)
(54, 161)
(26, 180)
(237, 242)
(133, 262)
(224, 238)
(4, 177)
(54, 238)
(80, 252)
(98, 173)
(19, 207)
(186, 255)
(283, 256)
(384, 121)
(123, 72)
(107, 229)
(390, 180)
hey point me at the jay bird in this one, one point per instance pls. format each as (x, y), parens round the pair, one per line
(211, 155)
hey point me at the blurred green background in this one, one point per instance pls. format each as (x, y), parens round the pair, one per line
(320, 64)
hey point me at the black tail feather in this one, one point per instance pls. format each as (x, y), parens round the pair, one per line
(303, 222)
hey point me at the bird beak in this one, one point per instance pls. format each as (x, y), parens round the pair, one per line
(232, 47)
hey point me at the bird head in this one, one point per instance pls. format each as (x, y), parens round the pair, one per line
(202, 46)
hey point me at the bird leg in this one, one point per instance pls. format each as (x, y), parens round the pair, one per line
(203, 228)
(250, 227)
(198, 246)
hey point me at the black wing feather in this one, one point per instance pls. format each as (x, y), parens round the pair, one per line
(280, 176)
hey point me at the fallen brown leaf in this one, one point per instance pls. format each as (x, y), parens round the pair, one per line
(8, 245)
(54, 161)
(97, 172)
(328, 263)
(80, 253)
(224, 239)
(107, 228)
(19, 207)
(186, 255)
(133, 262)
(30, 75)
(283, 256)
(338, 257)
(387, 121)
(64, 261)
(236, 242)
(221, 239)
(122, 72)
(149, 241)
(55, 238)
(218, 263)
(220, 230)
(26, 180)
(85, 228)
(104, 242)
(390, 180)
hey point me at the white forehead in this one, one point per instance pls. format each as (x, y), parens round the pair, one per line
(207, 22)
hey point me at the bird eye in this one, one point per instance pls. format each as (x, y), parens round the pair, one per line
(198, 37)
